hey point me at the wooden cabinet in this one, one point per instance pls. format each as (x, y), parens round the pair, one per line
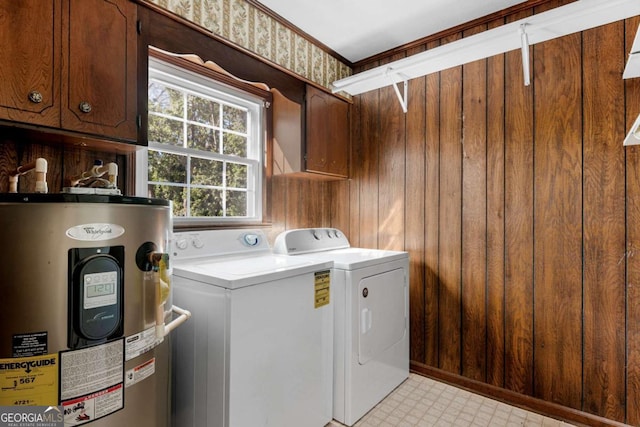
(29, 61)
(320, 149)
(71, 65)
(327, 142)
(99, 67)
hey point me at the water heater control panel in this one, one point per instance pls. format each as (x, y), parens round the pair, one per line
(96, 289)
(100, 289)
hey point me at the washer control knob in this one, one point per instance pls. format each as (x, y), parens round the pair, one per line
(338, 234)
(329, 234)
(251, 239)
(182, 243)
(197, 243)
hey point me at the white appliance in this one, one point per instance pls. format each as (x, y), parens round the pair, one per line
(259, 348)
(371, 304)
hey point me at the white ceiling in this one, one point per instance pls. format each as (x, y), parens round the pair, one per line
(358, 29)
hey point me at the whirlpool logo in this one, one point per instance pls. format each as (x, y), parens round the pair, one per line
(95, 232)
(32, 416)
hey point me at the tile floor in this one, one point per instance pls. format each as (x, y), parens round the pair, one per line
(423, 402)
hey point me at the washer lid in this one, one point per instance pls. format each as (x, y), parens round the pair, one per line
(355, 258)
(237, 272)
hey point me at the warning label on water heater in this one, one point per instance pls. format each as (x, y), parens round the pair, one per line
(88, 408)
(91, 369)
(92, 382)
(29, 381)
(33, 344)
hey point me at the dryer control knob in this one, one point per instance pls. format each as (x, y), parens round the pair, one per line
(197, 243)
(317, 235)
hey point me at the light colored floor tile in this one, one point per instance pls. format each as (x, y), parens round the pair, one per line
(423, 402)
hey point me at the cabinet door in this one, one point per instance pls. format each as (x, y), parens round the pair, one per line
(99, 68)
(29, 58)
(327, 144)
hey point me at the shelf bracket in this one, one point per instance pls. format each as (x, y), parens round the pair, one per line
(524, 40)
(402, 97)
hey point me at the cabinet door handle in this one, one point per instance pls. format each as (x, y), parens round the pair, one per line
(35, 97)
(85, 107)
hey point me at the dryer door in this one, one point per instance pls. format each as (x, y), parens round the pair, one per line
(382, 312)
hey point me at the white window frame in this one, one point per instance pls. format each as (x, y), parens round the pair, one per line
(186, 80)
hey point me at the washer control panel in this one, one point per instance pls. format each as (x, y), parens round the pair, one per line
(305, 240)
(195, 244)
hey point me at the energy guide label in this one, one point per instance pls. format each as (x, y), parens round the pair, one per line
(322, 281)
(29, 381)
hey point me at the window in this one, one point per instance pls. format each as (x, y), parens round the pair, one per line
(205, 150)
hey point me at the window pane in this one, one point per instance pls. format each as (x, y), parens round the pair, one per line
(235, 145)
(234, 119)
(202, 138)
(236, 203)
(206, 172)
(165, 100)
(166, 167)
(236, 175)
(169, 192)
(206, 202)
(165, 131)
(203, 110)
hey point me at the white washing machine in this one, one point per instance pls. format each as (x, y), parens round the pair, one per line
(370, 292)
(258, 350)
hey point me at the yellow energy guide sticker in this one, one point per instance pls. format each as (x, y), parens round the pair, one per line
(322, 288)
(30, 381)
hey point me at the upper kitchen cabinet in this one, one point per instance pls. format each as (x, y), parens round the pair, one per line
(327, 120)
(70, 65)
(319, 151)
(99, 67)
(29, 60)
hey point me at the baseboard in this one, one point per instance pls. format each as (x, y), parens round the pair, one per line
(529, 403)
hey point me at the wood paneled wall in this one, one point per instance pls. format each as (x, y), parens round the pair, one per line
(521, 212)
(64, 160)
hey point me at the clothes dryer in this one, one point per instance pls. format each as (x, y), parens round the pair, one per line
(258, 351)
(370, 292)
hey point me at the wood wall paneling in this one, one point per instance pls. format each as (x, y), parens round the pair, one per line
(414, 229)
(604, 222)
(519, 143)
(355, 172)
(62, 161)
(432, 218)
(391, 171)
(632, 101)
(495, 217)
(557, 221)
(368, 150)
(474, 217)
(339, 192)
(450, 205)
